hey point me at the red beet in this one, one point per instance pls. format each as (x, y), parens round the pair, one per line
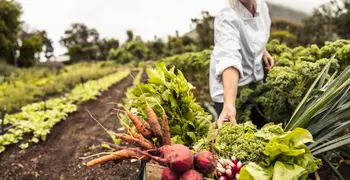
(170, 175)
(177, 157)
(191, 175)
(205, 162)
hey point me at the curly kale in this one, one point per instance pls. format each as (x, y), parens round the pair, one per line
(309, 70)
(285, 62)
(241, 142)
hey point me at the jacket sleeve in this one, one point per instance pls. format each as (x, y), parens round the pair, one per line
(227, 44)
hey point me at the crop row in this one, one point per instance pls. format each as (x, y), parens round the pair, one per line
(37, 119)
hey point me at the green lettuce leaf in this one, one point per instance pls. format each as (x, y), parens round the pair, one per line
(253, 171)
(270, 131)
(287, 171)
(290, 144)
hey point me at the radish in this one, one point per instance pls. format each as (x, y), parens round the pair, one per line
(219, 165)
(204, 162)
(234, 159)
(191, 175)
(223, 178)
(228, 172)
(234, 168)
(177, 157)
(230, 163)
(223, 162)
(239, 166)
(221, 170)
(170, 175)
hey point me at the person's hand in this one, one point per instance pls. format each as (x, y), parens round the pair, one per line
(269, 61)
(228, 114)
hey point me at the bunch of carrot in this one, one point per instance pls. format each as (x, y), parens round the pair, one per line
(141, 139)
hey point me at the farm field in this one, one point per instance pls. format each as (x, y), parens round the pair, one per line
(58, 156)
(88, 103)
(79, 136)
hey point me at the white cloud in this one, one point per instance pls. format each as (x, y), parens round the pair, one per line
(113, 17)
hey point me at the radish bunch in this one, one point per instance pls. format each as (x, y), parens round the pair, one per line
(181, 164)
(228, 169)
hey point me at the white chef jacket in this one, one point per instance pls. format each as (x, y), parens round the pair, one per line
(240, 40)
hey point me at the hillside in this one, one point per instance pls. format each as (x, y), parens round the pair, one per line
(281, 12)
(276, 12)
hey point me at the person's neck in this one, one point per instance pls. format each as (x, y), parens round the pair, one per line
(250, 5)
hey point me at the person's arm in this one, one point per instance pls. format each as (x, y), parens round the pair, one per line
(230, 79)
(228, 61)
(230, 83)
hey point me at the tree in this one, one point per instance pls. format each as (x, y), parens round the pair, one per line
(105, 45)
(205, 30)
(320, 26)
(32, 44)
(10, 24)
(47, 45)
(156, 48)
(178, 45)
(174, 45)
(76, 53)
(130, 35)
(342, 23)
(79, 35)
(91, 52)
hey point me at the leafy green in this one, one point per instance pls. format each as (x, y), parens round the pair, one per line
(288, 144)
(240, 141)
(253, 171)
(27, 85)
(288, 171)
(38, 118)
(168, 88)
(287, 156)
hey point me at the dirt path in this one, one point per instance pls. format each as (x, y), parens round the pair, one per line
(58, 157)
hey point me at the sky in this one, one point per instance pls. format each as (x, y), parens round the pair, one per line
(112, 18)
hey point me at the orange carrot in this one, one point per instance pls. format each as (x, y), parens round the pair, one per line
(166, 133)
(119, 155)
(155, 126)
(133, 141)
(142, 126)
(135, 134)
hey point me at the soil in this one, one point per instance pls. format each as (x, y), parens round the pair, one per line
(78, 136)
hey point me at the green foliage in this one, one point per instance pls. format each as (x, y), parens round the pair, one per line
(326, 22)
(188, 122)
(286, 84)
(156, 48)
(205, 30)
(105, 45)
(81, 42)
(240, 142)
(22, 86)
(284, 37)
(177, 45)
(10, 12)
(30, 46)
(121, 56)
(194, 66)
(38, 118)
(76, 53)
(342, 21)
(266, 153)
